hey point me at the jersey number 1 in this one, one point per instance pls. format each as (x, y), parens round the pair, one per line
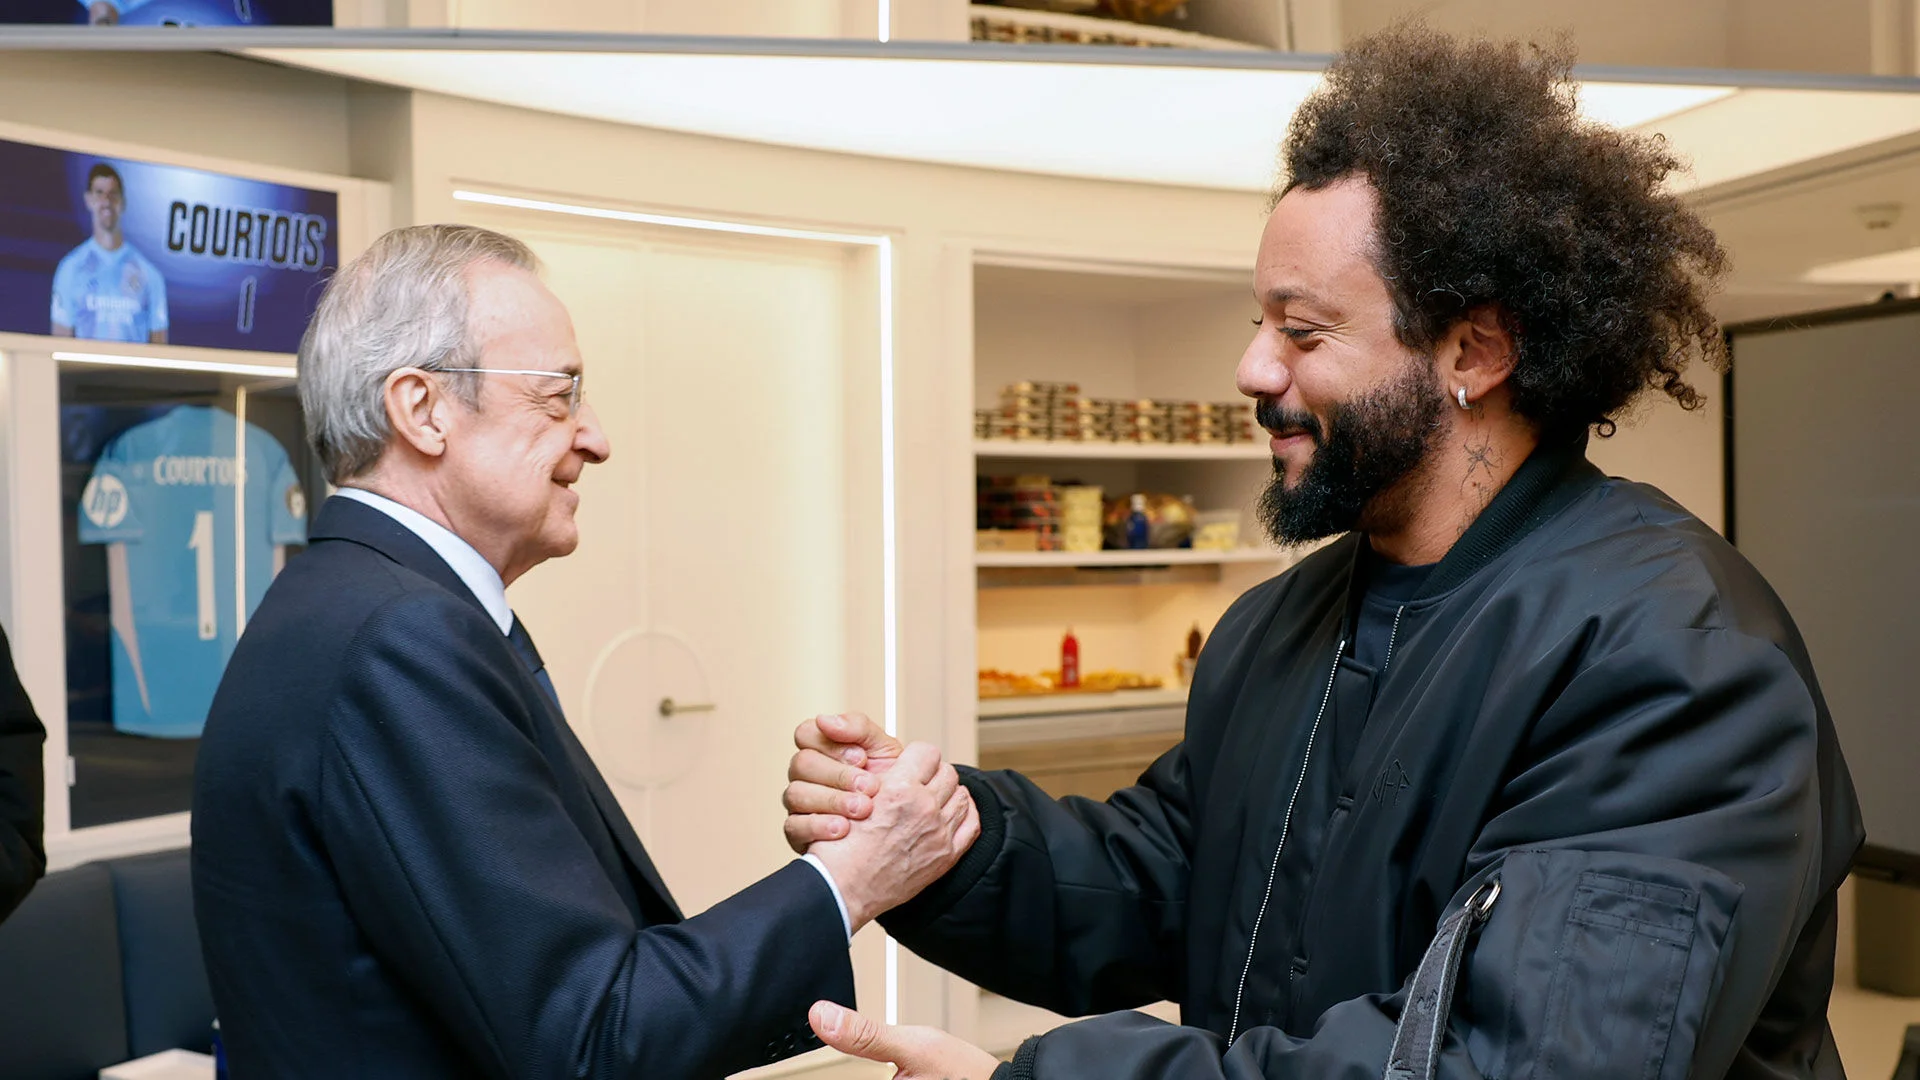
(201, 543)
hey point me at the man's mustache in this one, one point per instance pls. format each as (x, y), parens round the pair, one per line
(1275, 417)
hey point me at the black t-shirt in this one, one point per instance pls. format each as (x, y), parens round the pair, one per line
(1387, 586)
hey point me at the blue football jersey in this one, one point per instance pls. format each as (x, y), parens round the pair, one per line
(171, 490)
(109, 295)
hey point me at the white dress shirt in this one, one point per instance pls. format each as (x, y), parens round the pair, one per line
(483, 581)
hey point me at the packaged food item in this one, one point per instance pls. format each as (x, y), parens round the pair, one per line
(1216, 530)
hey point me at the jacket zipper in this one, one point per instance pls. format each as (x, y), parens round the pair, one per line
(1286, 824)
(1391, 638)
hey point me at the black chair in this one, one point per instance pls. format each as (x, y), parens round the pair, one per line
(99, 965)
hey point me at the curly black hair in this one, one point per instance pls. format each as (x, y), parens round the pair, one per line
(1493, 190)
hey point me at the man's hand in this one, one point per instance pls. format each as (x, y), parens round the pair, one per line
(834, 776)
(920, 822)
(920, 1053)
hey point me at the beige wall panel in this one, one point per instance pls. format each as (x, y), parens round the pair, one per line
(744, 18)
(1679, 452)
(769, 18)
(1792, 35)
(192, 103)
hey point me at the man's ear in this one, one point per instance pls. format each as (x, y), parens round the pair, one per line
(1478, 353)
(417, 410)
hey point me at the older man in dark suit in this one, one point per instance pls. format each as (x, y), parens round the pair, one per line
(405, 864)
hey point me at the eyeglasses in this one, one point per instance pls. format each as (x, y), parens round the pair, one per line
(575, 378)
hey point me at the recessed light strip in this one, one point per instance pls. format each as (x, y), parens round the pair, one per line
(605, 213)
(217, 367)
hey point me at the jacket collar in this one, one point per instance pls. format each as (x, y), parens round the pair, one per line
(358, 523)
(1551, 478)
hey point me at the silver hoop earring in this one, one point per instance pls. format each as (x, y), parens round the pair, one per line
(1461, 397)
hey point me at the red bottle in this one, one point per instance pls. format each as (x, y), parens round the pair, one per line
(1069, 661)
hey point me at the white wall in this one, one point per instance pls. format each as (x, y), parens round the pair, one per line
(1679, 452)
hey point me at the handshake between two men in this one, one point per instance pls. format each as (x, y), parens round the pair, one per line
(887, 820)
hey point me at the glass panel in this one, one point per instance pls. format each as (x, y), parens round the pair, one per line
(169, 542)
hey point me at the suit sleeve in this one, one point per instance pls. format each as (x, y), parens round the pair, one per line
(464, 870)
(1073, 905)
(23, 853)
(1659, 857)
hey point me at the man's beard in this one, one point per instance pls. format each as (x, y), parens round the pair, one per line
(1371, 444)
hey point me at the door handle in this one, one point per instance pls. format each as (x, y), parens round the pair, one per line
(670, 708)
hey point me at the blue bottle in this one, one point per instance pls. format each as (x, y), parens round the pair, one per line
(219, 1054)
(1137, 524)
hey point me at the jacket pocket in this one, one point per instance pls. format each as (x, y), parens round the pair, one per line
(1617, 977)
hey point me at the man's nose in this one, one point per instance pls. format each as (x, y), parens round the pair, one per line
(590, 438)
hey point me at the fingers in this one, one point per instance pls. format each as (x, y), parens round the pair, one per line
(955, 808)
(805, 830)
(944, 783)
(804, 798)
(851, 1033)
(855, 729)
(969, 830)
(809, 736)
(814, 767)
(918, 764)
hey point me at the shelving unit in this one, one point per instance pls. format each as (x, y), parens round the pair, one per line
(988, 449)
(1030, 705)
(1150, 557)
(1070, 28)
(1123, 332)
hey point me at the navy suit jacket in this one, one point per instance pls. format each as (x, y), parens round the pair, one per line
(405, 865)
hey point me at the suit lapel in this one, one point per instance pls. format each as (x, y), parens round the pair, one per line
(358, 523)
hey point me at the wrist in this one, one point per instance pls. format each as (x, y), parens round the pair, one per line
(849, 884)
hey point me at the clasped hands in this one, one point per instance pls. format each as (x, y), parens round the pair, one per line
(887, 820)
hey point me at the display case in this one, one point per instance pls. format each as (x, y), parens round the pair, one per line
(182, 495)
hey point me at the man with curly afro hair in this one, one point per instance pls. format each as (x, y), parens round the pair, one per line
(1525, 775)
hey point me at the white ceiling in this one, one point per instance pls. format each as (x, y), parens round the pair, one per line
(1189, 124)
(1777, 163)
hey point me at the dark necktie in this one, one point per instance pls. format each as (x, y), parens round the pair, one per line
(522, 643)
(656, 901)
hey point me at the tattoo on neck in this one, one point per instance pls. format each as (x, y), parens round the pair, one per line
(1480, 459)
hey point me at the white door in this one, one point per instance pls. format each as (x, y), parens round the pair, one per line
(728, 551)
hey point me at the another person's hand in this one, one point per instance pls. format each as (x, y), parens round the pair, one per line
(920, 823)
(834, 776)
(919, 1053)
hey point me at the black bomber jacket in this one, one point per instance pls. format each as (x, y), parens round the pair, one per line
(1595, 701)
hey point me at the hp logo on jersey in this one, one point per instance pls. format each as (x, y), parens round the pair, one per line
(104, 501)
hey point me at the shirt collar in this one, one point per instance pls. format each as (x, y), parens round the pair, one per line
(475, 572)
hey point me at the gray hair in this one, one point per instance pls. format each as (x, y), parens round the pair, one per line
(401, 303)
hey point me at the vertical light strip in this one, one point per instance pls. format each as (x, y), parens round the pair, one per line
(889, 545)
(886, 20)
(239, 510)
(889, 561)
